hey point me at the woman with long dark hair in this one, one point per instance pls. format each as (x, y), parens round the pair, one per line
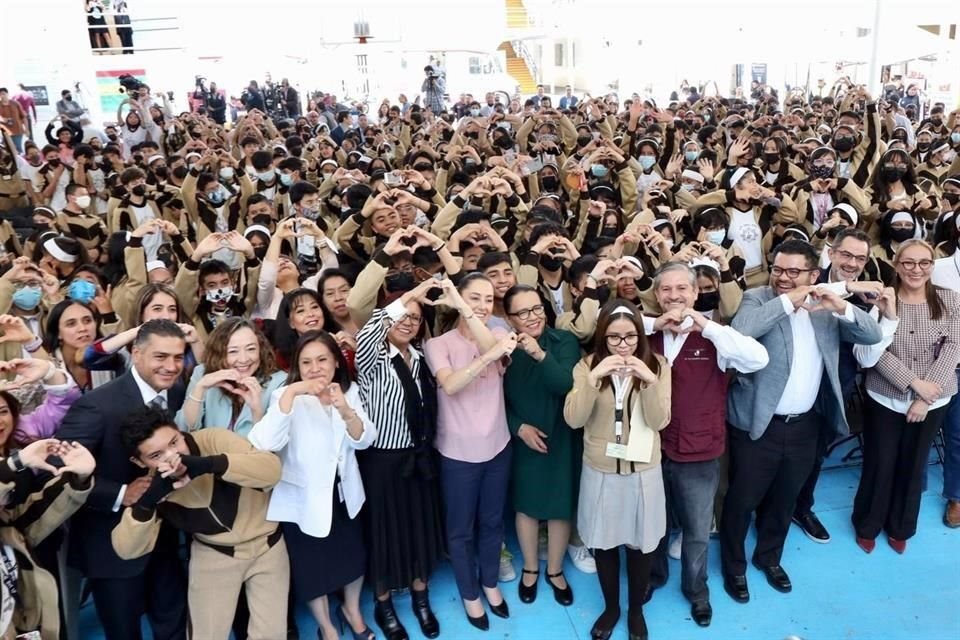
(909, 385)
(621, 399)
(301, 311)
(316, 422)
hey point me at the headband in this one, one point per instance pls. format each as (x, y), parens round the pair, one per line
(799, 232)
(902, 216)
(254, 228)
(51, 247)
(692, 175)
(942, 147)
(850, 211)
(153, 265)
(53, 214)
(954, 180)
(737, 176)
(622, 309)
(703, 261)
(154, 158)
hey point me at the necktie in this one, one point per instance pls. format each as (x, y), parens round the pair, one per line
(158, 403)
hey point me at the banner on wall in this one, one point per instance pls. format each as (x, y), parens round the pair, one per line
(108, 88)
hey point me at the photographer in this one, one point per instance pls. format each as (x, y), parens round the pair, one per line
(252, 98)
(433, 88)
(216, 104)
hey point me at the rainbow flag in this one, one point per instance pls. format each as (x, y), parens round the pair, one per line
(108, 89)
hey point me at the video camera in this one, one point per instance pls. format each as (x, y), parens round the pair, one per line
(129, 84)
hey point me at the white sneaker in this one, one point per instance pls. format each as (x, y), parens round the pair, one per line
(582, 559)
(675, 547)
(507, 572)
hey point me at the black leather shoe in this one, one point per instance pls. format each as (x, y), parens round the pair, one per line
(637, 626)
(528, 593)
(500, 610)
(482, 623)
(811, 525)
(386, 618)
(776, 576)
(562, 596)
(420, 602)
(603, 628)
(702, 613)
(736, 588)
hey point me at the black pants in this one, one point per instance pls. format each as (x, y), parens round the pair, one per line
(765, 476)
(160, 592)
(895, 455)
(805, 500)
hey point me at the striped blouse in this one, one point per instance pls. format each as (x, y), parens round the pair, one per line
(380, 388)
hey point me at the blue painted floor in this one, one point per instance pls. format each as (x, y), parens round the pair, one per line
(839, 591)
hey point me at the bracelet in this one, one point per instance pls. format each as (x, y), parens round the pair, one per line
(15, 462)
(197, 400)
(50, 372)
(440, 248)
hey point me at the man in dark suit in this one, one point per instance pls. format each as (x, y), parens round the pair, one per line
(340, 131)
(155, 584)
(775, 414)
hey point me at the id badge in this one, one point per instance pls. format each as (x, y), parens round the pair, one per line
(616, 450)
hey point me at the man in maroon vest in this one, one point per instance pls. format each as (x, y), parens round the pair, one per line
(700, 352)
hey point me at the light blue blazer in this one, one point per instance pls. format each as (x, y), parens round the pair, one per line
(217, 408)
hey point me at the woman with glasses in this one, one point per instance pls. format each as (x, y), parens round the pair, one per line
(546, 466)
(621, 399)
(403, 518)
(909, 385)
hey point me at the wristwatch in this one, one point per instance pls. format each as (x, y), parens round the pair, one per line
(14, 462)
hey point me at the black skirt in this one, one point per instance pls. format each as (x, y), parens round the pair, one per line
(403, 521)
(320, 566)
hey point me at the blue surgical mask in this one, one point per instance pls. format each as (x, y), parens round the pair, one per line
(955, 137)
(27, 298)
(647, 162)
(267, 176)
(216, 197)
(474, 112)
(286, 179)
(717, 237)
(81, 291)
(599, 170)
(689, 156)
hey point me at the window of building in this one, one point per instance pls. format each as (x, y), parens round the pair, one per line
(558, 54)
(474, 65)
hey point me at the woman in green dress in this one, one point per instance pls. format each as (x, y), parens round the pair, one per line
(546, 470)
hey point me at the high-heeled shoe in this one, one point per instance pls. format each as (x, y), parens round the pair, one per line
(424, 614)
(867, 544)
(365, 634)
(386, 618)
(563, 596)
(528, 593)
(481, 622)
(897, 545)
(500, 610)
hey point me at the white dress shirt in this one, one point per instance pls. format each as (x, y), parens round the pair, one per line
(806, 366)
(734, 350)
(148, 393)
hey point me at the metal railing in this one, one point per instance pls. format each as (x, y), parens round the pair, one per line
(520, 48)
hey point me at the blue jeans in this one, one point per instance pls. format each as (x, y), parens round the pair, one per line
(951, 459)
(690, 489)
(475, 495)
(18, 142)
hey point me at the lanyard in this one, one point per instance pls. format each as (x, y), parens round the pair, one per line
(621, 386)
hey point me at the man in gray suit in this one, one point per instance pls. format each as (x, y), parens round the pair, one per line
(775, 413)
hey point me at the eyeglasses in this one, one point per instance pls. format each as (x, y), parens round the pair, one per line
(614, 340)
(793, 274)
(911, 265)
(411, 318)
(847, 256)
(524, 314)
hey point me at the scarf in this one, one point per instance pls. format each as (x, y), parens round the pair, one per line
(420, 408)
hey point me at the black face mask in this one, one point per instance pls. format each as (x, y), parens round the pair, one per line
(504, 142)
(550, 183)
(550, 263)
(952, 198)
(923, 147)
(260, 252)
(892, 174)
(937, 121)
(180, 172)
(844, 143)
(53, 163)
(901, 235)
(397, 282)
(707, 301)
(160, 172)
(584, 140)
(771, 158)
(140, 190)
(603, 293)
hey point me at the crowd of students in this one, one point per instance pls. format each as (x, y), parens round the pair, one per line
(336, 357)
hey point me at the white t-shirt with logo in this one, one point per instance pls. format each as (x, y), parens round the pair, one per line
(747, 235)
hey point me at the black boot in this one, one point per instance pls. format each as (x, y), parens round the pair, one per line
(420, 602)
(386, 617)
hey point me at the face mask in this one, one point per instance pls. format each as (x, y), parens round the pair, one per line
(901, 235)
(892, 174)
(691, 156)
(81, 291)
(260, 252)
(161, 172)
(504, 142)
(937, 121)
(583, 141)
(27, 298)
(771, 158)
(180, 172)
(402, 281)
(952, 198)
(550, 183)
(112, 137)
(311, 213)
(226, 173)
(822, 172)
(53, 163)
(83, 201)
(286, 179)
(550, 263)
(647, 162)
(717, 237)
(474, 112)
(215, 197)
(219, 295)
(955, 138)
(923, 147)
(842, 144)
(140, 190)
(251, 171)
(599, 171)
(68, 97)
(707, 301)
(267, 176)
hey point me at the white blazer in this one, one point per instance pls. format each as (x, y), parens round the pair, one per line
(313, 446)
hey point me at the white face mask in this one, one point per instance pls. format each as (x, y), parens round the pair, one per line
(226, 173)
(83, 201)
